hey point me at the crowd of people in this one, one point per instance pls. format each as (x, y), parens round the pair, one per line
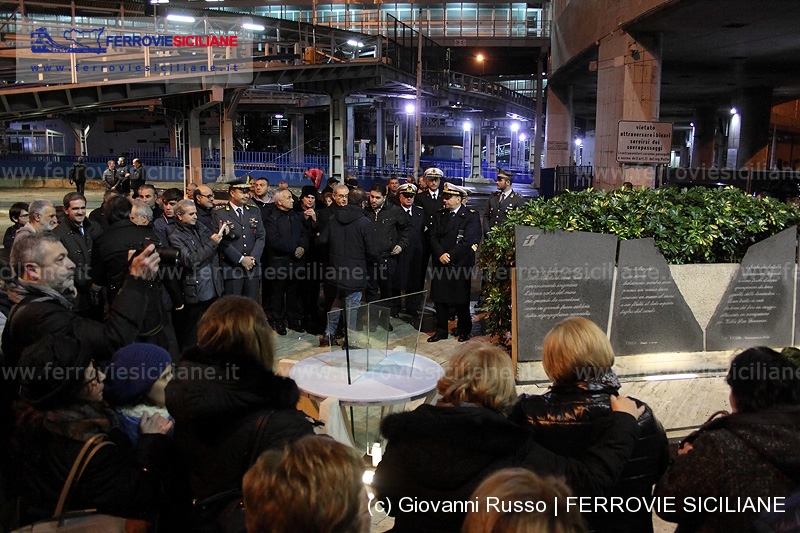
(139, 378)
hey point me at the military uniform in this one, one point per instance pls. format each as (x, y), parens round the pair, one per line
(457, 233)
(497, 209)
(246, 238)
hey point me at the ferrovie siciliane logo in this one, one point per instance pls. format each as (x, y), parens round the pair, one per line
(76, 42)
(91, 41)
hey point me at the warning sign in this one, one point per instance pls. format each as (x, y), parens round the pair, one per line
(644, 142)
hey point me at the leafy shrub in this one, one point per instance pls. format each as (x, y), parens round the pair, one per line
(689, 226)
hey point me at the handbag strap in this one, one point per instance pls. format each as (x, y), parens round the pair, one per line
(95, 443)
(256, 436)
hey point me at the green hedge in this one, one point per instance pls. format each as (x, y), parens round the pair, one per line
(689, 226)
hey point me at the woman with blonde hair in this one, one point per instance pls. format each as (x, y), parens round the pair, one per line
(515, 500)
(573, 414)
(227, 402)
(438, 454)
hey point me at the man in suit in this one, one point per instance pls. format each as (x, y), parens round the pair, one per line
(454, 240)
(500, 203)
(410, 276)
(78, 234)
(138, 177)
(242, 247)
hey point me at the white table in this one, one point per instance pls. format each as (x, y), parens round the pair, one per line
(399, 377)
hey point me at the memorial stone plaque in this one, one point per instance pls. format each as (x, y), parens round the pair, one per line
(650, 314)
(756, 309)
(560, 274)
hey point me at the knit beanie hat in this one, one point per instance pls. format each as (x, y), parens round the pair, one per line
(308, 190)
(133, 371)
(52, 372)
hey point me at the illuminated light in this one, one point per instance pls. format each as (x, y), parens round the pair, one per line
(368, 476)
(410, 108)
(480, 57)
(353, 42)
(278, 116)
(578, 142)
(522, 136)
(733, 111)
(467, 126)
(253, 27)
(515, 127)
(691, 124)
(180, 18)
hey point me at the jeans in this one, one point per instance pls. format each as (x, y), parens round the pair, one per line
(351, 301)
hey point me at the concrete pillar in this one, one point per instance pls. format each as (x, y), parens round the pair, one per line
(399, 140)
(628, 88)
(475, 152)
(193, 173)
(226, 147)
(558, 130)
(338, 132)
(754, 107)
(350, 147)
(705, 124)
(491, 148)
(297, 126)
(513, 148)
(380, 136)
(535, 157)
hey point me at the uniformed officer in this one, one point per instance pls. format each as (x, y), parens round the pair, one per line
(501, 201)
(454, 240)
(411, 264)
(243, 245)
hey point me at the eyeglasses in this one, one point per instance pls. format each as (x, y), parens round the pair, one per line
(209, 196)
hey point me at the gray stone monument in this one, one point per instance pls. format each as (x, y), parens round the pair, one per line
(560, 274)
(757, 308)
(650, 314)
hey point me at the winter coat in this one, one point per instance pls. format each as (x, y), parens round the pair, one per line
(215, 418)
(459, 236)
(119, 480)
(442, 453)
(284, 233)
(350, 237)
(570, 418)
(202, 281)
(43, 310)
(734, 457)
(392, 227)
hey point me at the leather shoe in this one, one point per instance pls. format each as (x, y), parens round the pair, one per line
(436, 337)
(297, 326)
(395, 314)
(280, 329)
(327, 340)
(464, 337)
(389, 327)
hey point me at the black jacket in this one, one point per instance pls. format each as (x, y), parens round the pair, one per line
(570, 418)
(350, 237)
(755, 455)
(119, 480)
(215, 418)
(79, 249)
(284, 233)
(442, 453)
(392, 227)
(458, 236)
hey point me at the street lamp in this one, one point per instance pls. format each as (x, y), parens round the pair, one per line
(482, 60)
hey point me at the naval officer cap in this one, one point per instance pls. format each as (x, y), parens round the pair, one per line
(407, 188)
(454, 190)
(503, 174)
(433, 173)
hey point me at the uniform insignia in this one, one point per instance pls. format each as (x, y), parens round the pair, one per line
(222, 207)
(474, 247)
(253, 222)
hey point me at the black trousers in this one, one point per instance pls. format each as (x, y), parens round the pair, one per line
(443, 312)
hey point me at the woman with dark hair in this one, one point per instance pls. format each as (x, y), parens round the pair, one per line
(61, 408)
(441, 453)
(224, 390)
(752, 453)
(569, 418)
